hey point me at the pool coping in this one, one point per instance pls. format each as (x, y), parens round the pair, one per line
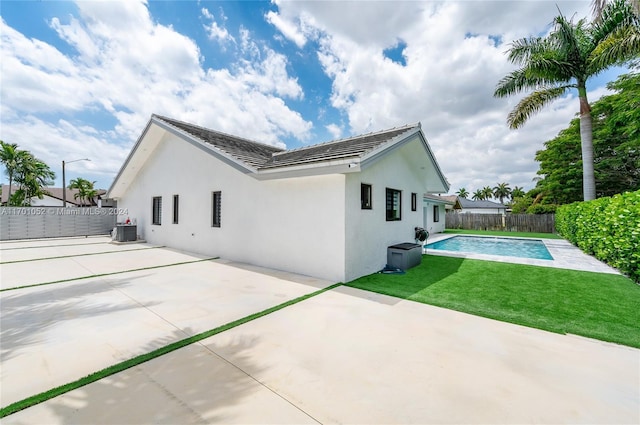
(565, 255)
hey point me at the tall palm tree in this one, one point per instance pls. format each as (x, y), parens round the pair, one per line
(563, 60)
(478, 195)
(487, 192)
(462, 192)
(85, 188)
(501, 191)
(598, 7)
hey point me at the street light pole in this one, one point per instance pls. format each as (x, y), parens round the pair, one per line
(64, 182)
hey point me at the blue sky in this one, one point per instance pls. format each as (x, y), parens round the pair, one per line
(80, 79)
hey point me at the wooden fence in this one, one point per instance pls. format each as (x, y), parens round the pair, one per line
(541, 223)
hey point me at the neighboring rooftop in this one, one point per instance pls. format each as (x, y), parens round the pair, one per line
(469, 203)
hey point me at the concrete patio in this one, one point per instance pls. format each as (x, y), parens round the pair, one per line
(344, 356)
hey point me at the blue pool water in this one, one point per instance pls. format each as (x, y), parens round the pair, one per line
(507, 247)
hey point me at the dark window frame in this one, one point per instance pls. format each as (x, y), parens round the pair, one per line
(216, 209)
(366, 196)
(436, 213)
(156, 210)
(414, 201)
(390, 198)
(176, 206)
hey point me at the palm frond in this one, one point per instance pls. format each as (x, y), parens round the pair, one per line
(614, 16)
(533, 103)
(620, 47)
(521, 50)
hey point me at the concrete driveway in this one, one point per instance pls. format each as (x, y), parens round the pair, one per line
(344, 356)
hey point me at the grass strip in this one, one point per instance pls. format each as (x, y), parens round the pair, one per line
(503, 233)
(79, 255)
(595, 305)
(135, 361)
(107, 274)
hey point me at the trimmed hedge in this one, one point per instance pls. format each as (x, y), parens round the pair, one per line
(607, 228)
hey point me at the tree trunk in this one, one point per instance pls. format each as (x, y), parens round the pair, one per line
(586, 141)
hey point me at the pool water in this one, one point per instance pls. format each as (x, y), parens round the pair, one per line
(507, 247)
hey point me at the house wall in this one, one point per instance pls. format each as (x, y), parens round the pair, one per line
(289, 224)
(430, 224)
(368, 234)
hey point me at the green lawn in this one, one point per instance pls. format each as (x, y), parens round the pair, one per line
(502, 233)
(594, 305)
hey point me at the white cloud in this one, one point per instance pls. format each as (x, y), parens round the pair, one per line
(335, 130)
(288, 29)
(127, 66)
(454, 58)
(214, 31)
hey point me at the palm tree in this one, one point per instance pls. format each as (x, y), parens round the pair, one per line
(462, 192)
(598, 7)
(32, 176)
(487, 193)
(501, 191)
(517, 192)
(10, 157)
(563, 60)
(85, 189)
(478, 195)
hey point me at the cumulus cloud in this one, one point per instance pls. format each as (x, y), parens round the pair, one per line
(127, 66)
(215, 31)
(454, 58)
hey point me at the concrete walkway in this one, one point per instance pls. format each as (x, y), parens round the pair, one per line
(344, 356)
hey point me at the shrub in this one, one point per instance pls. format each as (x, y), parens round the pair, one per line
(607, 228)
(542, 209)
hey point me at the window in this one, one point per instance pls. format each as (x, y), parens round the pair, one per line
(436, 213)
(393, 204)
(414, 202)
(216, 205)
(156, 217)
(175, 209)
(365, 196)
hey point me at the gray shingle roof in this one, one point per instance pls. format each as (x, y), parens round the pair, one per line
(261, 156)
(252, 153)
(338, 149)
(469, 203)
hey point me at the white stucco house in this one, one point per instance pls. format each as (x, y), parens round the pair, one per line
(329, 210)
(435, 208)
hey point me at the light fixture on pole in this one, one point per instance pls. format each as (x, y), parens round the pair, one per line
(64, 183)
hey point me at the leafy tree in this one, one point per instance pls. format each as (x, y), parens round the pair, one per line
(462, 192)
(86, 191)
(565, 59)
(616, 128)
(478, 195)
(501, 191)
(487, 193)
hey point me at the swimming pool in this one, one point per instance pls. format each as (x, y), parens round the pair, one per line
(506, 247)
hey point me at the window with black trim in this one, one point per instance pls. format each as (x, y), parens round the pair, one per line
(394, 200)
(365, 196)
(216, 208)
(436, 213)
(414, 201)
(156, 214)
(175, 209)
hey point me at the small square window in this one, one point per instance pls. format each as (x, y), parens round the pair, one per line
(393, 205)
(156, 215)
(414, 202)
(365, 196)
(216, 208)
